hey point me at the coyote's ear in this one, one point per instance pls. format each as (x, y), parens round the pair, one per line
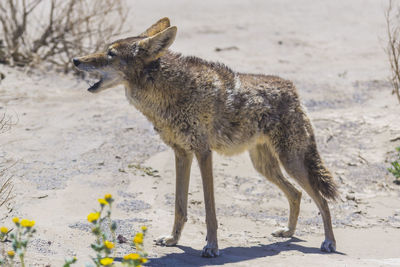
(157, 27)
(157, 45)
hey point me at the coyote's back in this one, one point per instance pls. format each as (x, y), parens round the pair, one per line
(199, 106)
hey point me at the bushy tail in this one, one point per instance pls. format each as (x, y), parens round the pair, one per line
(320, 178)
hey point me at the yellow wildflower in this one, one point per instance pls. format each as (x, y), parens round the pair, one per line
(4, 230)
(106, 261)
(11, 253)
(108, 244)
(138, 239)
(93, 216)
(15, 220)
(102, 201)
(132, 256)
(107, 197)
(143, 260)
(24, 222)
(27, 223)
(144, 228)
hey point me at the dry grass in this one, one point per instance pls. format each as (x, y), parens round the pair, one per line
(5, 179)
(5, 123)
(392, 16)
(54, 31)
(6, 187)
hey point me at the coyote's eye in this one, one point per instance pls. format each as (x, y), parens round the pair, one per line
(110, 54)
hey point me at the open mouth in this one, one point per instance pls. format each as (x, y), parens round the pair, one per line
(95, 86)
(94, 80)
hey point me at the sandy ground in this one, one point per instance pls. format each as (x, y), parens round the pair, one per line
(71, 147)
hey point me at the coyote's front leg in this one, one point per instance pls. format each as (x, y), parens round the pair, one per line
(183, 161)
(205, 163)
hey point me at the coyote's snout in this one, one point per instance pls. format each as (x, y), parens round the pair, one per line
(199, 106)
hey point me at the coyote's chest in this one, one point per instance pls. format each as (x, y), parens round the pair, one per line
(176, 125)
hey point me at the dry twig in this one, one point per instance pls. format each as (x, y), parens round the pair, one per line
(392, 16)
(5, 180)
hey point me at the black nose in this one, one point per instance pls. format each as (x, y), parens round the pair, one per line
(76, 62)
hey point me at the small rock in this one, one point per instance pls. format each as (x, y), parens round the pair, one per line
(351, 197)
(121, 239)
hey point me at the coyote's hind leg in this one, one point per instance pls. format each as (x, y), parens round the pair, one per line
(266, 163)
(307, 168)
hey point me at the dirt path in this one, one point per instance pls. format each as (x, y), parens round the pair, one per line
(71, 147)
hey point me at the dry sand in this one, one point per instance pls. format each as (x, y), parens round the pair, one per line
(71, 147)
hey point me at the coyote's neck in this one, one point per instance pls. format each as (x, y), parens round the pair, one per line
(155, 90)
(155, 86)
(168, 85)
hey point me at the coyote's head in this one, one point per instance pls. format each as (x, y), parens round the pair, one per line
(125, 57)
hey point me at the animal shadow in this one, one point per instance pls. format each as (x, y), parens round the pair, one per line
(191, 257)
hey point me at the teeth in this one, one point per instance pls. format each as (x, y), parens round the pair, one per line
(91, 83)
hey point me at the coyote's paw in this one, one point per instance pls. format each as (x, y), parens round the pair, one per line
(328, 246)
(283, 232)
(166, 241)
(210, 251)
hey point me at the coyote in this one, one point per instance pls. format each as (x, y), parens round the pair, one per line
(198, 107)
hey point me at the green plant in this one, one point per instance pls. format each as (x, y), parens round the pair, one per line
(395, 170)
(104, 244)
(19, 240)
(105, 240)
(136, 259)
(70, 261)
